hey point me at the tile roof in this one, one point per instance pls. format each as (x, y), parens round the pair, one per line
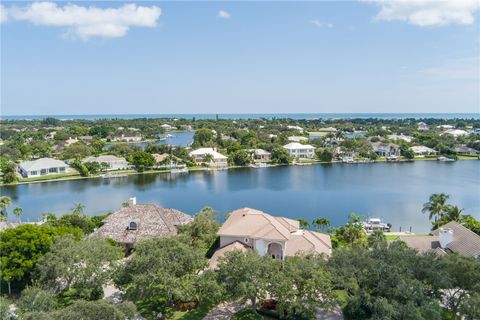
(220, 253)
(296, 145)
(151, 221)
(42, 163)
(465, 241)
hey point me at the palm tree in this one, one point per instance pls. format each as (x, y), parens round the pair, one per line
(453, 213)
(5, 202)
(436, 205)
(303, 224)
(17, 212)
(321, 223)
(208, 158)
(78, 208)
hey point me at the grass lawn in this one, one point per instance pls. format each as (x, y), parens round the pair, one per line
(195, 314)
(51, 177)
(391, 237)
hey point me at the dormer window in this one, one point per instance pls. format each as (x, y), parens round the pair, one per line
(132, 225)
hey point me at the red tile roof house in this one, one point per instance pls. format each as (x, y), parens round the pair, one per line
(277, 237)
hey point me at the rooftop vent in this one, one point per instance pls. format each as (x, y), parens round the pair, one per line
(446, 237)
(132, 201)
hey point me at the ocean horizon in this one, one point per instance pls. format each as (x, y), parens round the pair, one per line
(233, 116)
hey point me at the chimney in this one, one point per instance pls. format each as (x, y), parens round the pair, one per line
(446, 237)
(132, 201)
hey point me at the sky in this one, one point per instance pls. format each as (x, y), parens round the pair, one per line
(239, 57)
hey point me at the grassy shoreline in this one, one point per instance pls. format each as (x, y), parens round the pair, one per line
(76, 175)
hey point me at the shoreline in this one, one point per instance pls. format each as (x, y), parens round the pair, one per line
(300, 163)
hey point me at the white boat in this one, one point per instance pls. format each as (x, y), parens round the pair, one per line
(444, 159)
(348, 160)
(181, 170)
(371, 224)
(113, 175)
(392, 158)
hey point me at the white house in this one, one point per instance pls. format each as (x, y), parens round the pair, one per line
(168, 127)
(114, 163)
(386, 149)
(276, 237)
(422, 150)
(42, 167)
(260, 155)
(298, 150)
(422, 126)
(128, 138)
(400, 137)
(297, 138)
(295, 128)
(217, 159)
(456, 132)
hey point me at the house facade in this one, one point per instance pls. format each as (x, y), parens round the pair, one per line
(113, 162)
(466, 150)
(42, 167)
(384, 149)
(209, 156)
(260, 155)
(422, 150)
(276, 237)
(301, 151)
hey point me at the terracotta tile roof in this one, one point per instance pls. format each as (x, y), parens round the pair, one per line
(308, 242)
(236, 245)
(151, 221)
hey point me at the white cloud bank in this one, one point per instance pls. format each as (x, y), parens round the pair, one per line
(428, 12)
(223, 14)
(85, 22)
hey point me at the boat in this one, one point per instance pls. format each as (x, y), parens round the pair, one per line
(392, 158)
(445, 159)
(348, 160)
(371, 224)
(113, 175)
(180, 170)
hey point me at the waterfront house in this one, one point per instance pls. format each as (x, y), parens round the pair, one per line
(385, 149)
(422, 150)
(166, 160)
(209, 156)
(112, 162)
(137, 222)
(466, 150)
(168, 127)
(70, 141)
(276, 237)
(297, 139)
(260, 155)
(445, 127)
(42, 167)
(450, 238)
(128, 138)
(422, 126)
(322, 132)
(456, 132)
(298, 150)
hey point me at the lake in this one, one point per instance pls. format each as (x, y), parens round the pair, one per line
(179, 138)
(392, 191)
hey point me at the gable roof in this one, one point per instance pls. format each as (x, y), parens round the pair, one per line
(423, 244)
(205, 151)
(296, 145)
(465, 241)
(104, 158)
(42, 163)
(151, 221)
(220, 253)
(309, 242)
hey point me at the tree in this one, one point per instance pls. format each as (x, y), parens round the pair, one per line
(350, 234)
(303, 224)
(324, 155)
(240, 158)
(22, 247)
(436, 205)
(77, 151)
(302, 286)
(160, 275)
(142, 160)
(81, 168)
(408, 154)
(36, 299)
(17, 212)
(75, 220)
(321, 223)
(377, 239)
(5, 202)
(78, 208)
(202, 137)
(202, 231)
(280, 156)
(8, 168)
(83, 266)
(208, 158)
(247, 275)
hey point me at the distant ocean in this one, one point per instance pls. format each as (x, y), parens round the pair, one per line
(254, 116)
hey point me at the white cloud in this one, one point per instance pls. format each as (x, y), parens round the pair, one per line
(428, 12)
(3, 14)
(317, 23)
(87, 22)
(223, 14)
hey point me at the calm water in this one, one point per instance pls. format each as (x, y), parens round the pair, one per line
(393, 191)
(255, 116)
(183, 139)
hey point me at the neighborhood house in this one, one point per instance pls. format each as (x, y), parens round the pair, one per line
(276, 237)
(112, 162)
(384, 149)
(209, 156)
(298, 150)
(422, 150)
(260, 155)
(42, 167)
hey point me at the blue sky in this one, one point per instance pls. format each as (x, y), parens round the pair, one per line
(239, 57)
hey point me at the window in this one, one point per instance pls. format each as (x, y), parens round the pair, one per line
(33, 173)
(246, 240)
(62, 169)
(132, 225)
